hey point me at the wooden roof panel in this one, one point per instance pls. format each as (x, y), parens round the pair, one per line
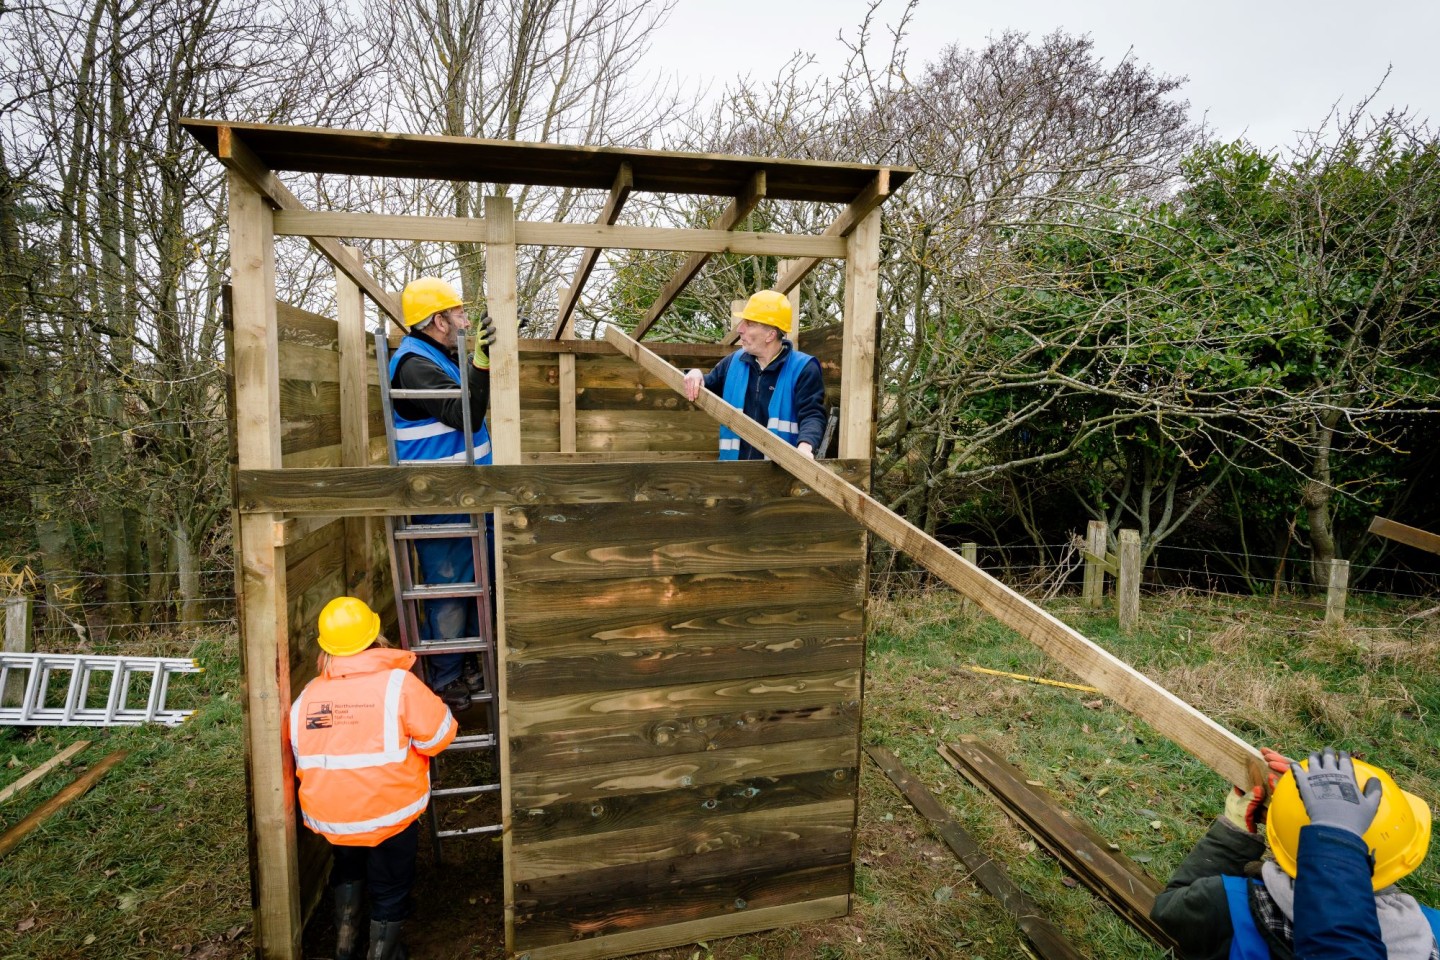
(364, 153)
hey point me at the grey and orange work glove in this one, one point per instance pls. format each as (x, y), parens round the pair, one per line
(1245, 809)
(1332, 795)
(484, 336)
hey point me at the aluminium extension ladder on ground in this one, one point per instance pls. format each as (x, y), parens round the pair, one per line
(410, 597)
(150, 675)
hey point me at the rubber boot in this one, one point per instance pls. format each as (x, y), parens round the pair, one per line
(385, 942)
(349, 898)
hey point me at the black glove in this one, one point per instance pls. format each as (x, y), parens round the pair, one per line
(1329, 792)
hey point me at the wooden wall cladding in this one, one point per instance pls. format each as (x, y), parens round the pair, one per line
(682, 691)
(618, 406)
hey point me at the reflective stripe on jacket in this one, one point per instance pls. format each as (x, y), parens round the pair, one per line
(362, 734)
(429, 439)
(781, 412)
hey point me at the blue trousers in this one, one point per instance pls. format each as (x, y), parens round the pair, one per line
(448, 618)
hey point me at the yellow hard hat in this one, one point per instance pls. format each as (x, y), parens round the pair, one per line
(769, 307)
(347, 626)
(426, 296)
(1398, 837)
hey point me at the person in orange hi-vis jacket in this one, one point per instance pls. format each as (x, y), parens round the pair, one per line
(363, 733)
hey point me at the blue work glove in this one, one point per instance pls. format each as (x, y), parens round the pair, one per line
(1331, 795)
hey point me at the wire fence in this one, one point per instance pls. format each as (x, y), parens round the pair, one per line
(74, 603)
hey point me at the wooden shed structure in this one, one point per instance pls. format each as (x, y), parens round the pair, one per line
(681, 640)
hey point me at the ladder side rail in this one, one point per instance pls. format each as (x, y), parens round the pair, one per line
(80, 688)
(32, 689)
(465, 399)
(159, 690)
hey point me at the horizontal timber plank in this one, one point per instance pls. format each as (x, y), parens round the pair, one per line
(298, 434)
(563, 820)
(690, 836)
(308, 398)
(766, 604)
(296, 326)
(381, 491)
(1410, 536)
(589, 542)
(735, 924)
(616, 456)
(1221, 750)
(693, 353)
(605, 781)
(581, 713)
(565, 921)
(679, 661)
(1110, 875)
(298, 361)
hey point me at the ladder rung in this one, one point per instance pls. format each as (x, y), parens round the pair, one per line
(479, 741)
(439, 393)
(436, 531)
(465, 791)
(458, 645)
(471, 832)
(435, 591)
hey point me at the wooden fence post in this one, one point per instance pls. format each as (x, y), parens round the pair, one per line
(1097, 536)
(1335, 595)
(19, 638)
(1128, 589)
(970, 552)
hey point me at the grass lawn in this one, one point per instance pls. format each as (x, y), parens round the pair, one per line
(152, 863)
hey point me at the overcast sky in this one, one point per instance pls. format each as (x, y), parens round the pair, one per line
(1261, 69)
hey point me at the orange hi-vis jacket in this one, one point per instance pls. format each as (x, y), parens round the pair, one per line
(363, 733)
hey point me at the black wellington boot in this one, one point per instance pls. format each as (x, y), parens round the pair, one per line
(385, 940)
(349, 898)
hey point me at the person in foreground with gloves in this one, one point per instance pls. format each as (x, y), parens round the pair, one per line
(1314, 896)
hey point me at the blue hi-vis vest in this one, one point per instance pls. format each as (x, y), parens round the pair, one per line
(1247, 942)
(429, 439)
(781, 420)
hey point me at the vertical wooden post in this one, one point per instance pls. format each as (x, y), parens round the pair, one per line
(500, 297)
(782, 268)
(19, 638)
(857, 357)
(1097, 538)
(1128, 590)
(1335, 595)
(354, 421)
(566, 387)
(971, 553)
(264, 623)
(501, 301)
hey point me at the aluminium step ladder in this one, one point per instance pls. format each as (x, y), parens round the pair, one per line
(411, 595)
(150, 675)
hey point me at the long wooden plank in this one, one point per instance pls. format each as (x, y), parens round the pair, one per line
(858, 351)
(597, 911)
(678, 735)
(619, 193)
(241, 160)
(1218, 748)
(382, 491)
(1047, 940)
(733, 216)
(67, 795)
(695, 352)
(502, 301)
(730, 925)
(874, 194)
(380, 226)
(601, 782)
(19, 786)
(1070, 840)
(355, 363)
(1410, 536)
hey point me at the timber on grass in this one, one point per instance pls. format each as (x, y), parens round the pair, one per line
(66, 796)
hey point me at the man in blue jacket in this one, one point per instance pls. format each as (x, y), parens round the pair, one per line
(772, 382)
(1325, 891)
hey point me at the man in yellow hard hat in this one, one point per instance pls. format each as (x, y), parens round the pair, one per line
(1325, 890)
(427, 359)
(363, 733)
(775, 384)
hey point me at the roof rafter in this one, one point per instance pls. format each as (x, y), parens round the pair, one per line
(619, 193)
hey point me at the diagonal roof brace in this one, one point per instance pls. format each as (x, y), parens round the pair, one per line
(232, 151)
(619, 193)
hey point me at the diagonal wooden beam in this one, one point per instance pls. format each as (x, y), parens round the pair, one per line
(619, 193)
(867, 200)
(1206, 740)
(1410, 536)
(734, 214)
(238, 157)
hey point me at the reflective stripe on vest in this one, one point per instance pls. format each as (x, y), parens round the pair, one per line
(404, 814)
(429, 440)
(1246, 942)
(781, 420)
